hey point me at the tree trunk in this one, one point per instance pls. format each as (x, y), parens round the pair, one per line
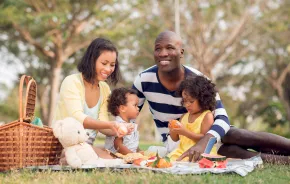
(288, 111)
(54, 83)
(282, 94)
(206, 70)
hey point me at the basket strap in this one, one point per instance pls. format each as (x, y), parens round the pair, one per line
(28, 98)
(24, 78)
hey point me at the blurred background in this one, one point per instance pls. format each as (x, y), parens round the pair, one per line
(243, 46)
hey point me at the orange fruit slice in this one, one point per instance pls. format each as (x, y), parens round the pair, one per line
(174, 124)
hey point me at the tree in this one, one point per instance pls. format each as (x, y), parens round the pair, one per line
(267, 79)
(276, 58)
(55, 30)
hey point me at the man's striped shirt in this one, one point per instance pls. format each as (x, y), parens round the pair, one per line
(164, 105)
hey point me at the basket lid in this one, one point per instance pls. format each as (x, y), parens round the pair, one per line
(26, 110)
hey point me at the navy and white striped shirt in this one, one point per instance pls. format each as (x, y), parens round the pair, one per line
(164, 105)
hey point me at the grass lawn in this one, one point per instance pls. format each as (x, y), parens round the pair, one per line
(277, 174)
(267, 174)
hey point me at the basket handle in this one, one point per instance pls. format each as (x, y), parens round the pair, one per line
(27, 80)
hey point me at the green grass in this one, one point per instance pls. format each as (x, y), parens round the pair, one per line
(269, 173)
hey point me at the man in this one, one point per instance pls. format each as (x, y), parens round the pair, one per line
(158, 84)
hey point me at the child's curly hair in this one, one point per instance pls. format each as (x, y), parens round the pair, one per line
(118, 98)
(200, 88)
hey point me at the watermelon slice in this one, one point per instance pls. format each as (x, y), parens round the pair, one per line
(213, 157)
(221, 164)
(205, 163)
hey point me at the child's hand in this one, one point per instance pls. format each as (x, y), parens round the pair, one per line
(181, 130)
(142, 152)
(173, 124)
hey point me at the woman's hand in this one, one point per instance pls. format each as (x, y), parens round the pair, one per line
(114, 127)
(130, 127)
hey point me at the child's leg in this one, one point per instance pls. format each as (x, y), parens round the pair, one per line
(161, 150)
(102, 153)
(170, 144)
(233, 151)
(260, 141)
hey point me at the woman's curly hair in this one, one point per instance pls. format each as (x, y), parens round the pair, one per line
(200, 88)
(118, 98)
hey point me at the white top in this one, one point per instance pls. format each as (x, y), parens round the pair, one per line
(93, 113)
(130, 141)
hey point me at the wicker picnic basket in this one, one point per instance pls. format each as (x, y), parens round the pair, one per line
(23, 144)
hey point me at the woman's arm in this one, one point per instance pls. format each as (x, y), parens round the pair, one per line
(70, 93)
(90, 123)
(119, 146)
(106, 128)
(108, 132)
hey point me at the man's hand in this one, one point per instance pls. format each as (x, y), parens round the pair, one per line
(195, 151)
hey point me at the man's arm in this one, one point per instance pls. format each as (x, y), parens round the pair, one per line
(221, 123)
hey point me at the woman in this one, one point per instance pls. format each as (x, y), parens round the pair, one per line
(83, 96)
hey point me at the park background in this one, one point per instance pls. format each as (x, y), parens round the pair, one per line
(243, 46)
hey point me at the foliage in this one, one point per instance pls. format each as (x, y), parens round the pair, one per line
(50, 33)
(241, 45)
(264, 73)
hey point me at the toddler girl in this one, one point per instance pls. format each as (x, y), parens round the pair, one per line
(198, 97)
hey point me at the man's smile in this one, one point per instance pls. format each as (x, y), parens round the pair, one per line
(164, 62)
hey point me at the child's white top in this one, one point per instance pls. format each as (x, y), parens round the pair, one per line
(130, 141)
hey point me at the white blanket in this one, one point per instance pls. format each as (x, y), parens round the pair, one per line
(241, 167)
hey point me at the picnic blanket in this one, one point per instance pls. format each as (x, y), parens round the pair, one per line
(241, 167)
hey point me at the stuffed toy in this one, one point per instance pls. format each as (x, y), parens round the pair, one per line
(72, 135)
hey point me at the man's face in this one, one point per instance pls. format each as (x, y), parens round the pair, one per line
(167, 53)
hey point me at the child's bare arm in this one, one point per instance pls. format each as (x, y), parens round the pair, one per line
(193, 136)
(174, 135)
(205, 126)
(119, 146)
(207, 122)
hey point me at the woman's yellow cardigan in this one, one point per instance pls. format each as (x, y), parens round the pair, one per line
(72, 99)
